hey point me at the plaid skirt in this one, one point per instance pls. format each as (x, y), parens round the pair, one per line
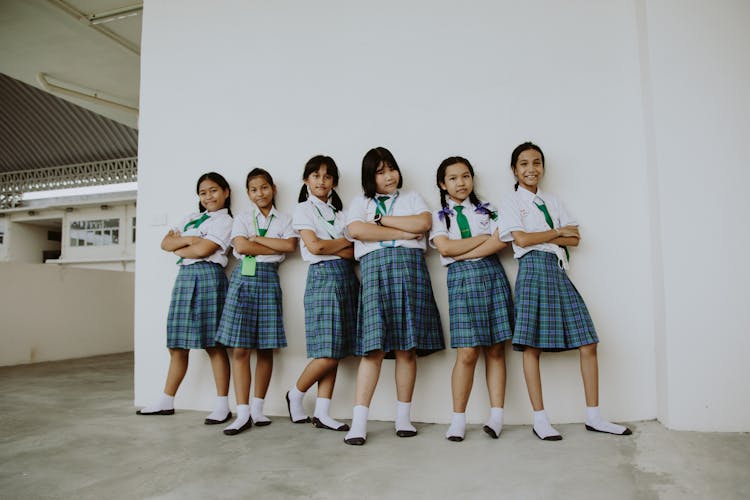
(550, 313)
(397, 309)
(480, 305)
(196, 306)
(252, 316)
(331, 295)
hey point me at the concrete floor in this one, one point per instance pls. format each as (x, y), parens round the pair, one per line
(69, 430)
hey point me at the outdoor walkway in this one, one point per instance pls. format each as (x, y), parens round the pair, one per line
(69, 430)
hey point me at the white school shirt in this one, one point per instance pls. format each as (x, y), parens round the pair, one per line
(479, 223)
(280, 227)
(306, 216)
(519, 213)
(400, 203)
(216, 228)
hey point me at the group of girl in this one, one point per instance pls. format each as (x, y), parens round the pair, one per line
(393, 312)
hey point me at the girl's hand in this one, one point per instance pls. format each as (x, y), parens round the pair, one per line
(411, 236)
(569, 232)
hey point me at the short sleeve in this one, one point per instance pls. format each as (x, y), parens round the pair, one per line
(357, 211)
(509, 219)
(286, 230)
(418, 205)
(240, 226)
(564, 217)
(220, 230)
(438, 226)
(303, 218)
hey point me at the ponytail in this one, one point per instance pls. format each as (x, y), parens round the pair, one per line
(303, 194)
(336, 201)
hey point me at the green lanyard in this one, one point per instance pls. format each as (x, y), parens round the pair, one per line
(248, 262)
(329, 224)
(548, 218)
(195, 223)
(463, 222)
(380, 209)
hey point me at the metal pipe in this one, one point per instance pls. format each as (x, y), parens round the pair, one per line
(91, 95)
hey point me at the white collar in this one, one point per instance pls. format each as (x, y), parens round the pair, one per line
(527, 195)
(220, 211)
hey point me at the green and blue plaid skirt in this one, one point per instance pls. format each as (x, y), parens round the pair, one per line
(252, 316)
(331, 295)
(196, 306)
(550, 313)
(397, 309)
(480, 305)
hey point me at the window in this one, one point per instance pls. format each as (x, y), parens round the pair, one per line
(95, 233)
(2, 232)
(134, 227)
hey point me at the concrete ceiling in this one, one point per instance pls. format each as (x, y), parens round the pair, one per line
(44, 36)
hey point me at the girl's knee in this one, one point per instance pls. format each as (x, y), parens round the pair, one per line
(588, 350)
(495, 352)
(408, 356)
(375, 356)
(179, 353)
(467, 355)
(265, 354)
(240, 354)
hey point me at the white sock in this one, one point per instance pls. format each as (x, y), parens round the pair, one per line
(221, 408)
(593, 419)
(359, 423)
(458, 426)
(495, 422)
(296, 409)
(321, 413)
(542, 427)
(256, 410)
(403, 417)
(166, 402)
(243, 415)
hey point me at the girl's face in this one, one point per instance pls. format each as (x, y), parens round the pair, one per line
(458, 182)
(386, 179)
(529, 169)
(212, 196)
(261, 192)
(320, 183)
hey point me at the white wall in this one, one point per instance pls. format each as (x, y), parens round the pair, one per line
(700, 69)
(50, 312)
(26, 241)
(273, 84)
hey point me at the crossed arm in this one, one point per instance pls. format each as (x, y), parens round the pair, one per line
(394, 227)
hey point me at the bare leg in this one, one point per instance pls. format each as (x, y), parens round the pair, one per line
(242, 377)
(327, 382)
(462, 378)
(406, 374)
(494, 360)
(318, 370)
(263, 370)
(533, 377)
(220, 368)
(367, 377)
(178, 365)
(590, 373)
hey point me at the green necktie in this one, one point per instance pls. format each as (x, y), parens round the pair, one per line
(463, 222)
(195, 223)
(548, 218)
(381, 205)
(248, 262)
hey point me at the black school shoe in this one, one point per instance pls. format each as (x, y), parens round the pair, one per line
(211, 421)
(626, 432)
(406, 434)
(160, 412)
(234, 432)
(490, 432)
(356, 441)
(556, 437)
(320, 425)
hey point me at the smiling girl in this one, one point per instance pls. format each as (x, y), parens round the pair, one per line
(252, 319)
(201, 242)
(550, 313)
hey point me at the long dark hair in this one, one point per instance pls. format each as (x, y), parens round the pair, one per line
(370, 163)
(223, 184)
(517, 152)
(260, 172)
(440, 178)
(313, 165)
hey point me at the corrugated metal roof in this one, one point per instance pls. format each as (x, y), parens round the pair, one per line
(39, 130)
